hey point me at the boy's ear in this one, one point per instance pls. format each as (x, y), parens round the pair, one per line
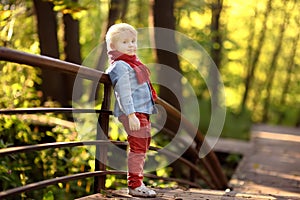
(112, 46)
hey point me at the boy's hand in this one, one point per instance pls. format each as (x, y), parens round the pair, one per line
(134, 122)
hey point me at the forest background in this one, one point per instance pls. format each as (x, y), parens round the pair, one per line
(254, 44)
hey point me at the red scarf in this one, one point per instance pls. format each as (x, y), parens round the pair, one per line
(141, 71)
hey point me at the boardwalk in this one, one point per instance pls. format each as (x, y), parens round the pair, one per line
(179, 194)
(270, 169)
(272, 166)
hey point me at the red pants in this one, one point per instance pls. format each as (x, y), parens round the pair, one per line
(139, 142)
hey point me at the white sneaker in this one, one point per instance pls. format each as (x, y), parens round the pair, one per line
(142, 191)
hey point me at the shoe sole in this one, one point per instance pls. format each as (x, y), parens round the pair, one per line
(145, 196)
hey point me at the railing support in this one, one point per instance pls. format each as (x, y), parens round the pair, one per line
(102, 134)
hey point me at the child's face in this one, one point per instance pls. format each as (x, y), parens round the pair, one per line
(125, 43)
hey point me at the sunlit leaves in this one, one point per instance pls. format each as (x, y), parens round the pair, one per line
(75, 8)
(18, 86)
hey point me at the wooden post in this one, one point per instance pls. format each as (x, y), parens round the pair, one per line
(102, 134)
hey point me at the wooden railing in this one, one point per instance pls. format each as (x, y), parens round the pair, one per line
(215, 180)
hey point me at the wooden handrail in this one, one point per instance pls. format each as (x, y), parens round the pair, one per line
(51, 110)
(210, 162)
(45, 183)
(41, 61)
(38, 147)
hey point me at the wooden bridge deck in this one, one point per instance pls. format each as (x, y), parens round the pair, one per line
(180, 194)
(270, 169)
(272, 166)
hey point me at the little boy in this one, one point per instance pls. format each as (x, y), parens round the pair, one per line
(135, 99)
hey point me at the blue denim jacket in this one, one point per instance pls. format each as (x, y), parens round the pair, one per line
(130, 96)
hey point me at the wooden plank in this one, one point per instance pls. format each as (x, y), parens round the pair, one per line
(228, 145)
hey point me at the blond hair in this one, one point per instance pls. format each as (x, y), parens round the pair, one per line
(115, 29)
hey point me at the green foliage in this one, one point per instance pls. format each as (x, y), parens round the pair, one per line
(248, 38)
(193, 18)
(20, 169)
(16, 26)
(235, 126)
(19, 91)
(240, 41)
(18, 86)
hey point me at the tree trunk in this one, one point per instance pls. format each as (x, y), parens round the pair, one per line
(164, 18)
(117, 10)
(72, 51)
(216, 48)
(291, 66)
(256, 55)
(162, 11)
(124, 9)
(53, 82)
(273, 67)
